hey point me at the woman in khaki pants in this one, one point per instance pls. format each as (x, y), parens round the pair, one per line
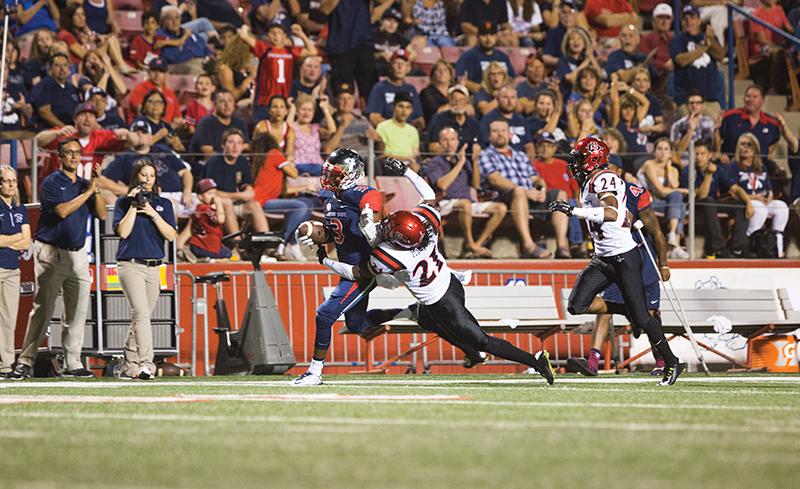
(15, 236)
(143, 220)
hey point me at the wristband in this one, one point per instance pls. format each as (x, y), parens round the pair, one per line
(593, 214)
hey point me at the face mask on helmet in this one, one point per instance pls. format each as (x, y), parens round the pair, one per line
(342, 170)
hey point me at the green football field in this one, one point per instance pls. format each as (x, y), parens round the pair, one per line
(402, 432)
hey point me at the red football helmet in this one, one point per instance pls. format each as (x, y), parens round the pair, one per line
(589, 154)
(404, 229)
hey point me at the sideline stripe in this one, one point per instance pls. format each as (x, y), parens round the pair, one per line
(415, 400)
(381, 423)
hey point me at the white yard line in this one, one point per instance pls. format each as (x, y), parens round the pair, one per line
(378, 399)
(401, 382)
(778, 429)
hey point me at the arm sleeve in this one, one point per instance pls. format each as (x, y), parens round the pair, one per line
(424, 189)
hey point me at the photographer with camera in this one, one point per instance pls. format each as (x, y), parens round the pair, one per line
(143, 220)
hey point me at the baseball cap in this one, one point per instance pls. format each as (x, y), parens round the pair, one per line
(281, 25)
(83, 107)
(205, 185)
(403, 97)
(662, 10)
(690, 10)
(400, 53)
(568, 3)
(392, 13)
(344, 87)
(140, 126)
(458, 88)
(96, 91)
(158, 64)
(546, 136)
(487, 27)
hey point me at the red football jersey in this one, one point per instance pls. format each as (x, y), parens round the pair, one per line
(275, 70)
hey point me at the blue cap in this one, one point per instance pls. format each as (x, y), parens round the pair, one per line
(158, 64)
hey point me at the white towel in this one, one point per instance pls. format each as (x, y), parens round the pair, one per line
(721, 324)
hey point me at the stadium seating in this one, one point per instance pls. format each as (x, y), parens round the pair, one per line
(129, 21)
(529, 309)
(137, 5)
(452, 53)
(426, 57)
(518, 57)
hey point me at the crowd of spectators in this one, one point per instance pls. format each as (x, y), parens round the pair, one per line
(237, 104)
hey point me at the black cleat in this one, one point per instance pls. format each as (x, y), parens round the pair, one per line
(581, 366)
(470, 362)
(544, 367)
(671, 373)
(78, 373)
(637, 332)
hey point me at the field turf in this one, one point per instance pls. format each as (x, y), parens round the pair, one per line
(402, 432)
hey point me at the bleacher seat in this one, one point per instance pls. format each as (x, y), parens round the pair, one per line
(518, 57)
(418, 82)
(24, 152)
(137, 5)
(181, 83)
(426, 57)
(452, 53)
(129, 21)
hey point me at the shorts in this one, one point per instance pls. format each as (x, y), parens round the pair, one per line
(650, 279)
(446, 207)
(181, 210)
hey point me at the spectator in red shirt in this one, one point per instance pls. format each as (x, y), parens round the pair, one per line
(607, 16)
(768, 65)
(569, 236)
(95, 143)
(156, 76)
(276, 61)
(203, 235)
(81, 39)
(270, 169)
(659, 39)
(201, 106)
(146, 46)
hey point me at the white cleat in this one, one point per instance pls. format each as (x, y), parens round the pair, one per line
(307, 379)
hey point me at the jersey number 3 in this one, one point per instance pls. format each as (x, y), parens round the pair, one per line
(435, 265)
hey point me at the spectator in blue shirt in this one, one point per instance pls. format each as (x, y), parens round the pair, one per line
(473, 14)
(475, 60)
(535, 81)
(209, 133)
(506, 109)
(62, 262)
(495, 76)
(231, 171)
(748, 119)
(188, 57)
(143, 223)
(455, 175)
(626, 112)
(567, 19)
(351, 44)
(511, 176)
(456, 117)
(108, 119)
(709, 202)
(32, 15)
(381, 99)
(55, 98)
(577, 53)
(627, 60)
(15, 237)
(695, 55)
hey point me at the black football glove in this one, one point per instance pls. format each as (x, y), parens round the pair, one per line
(321, 253)
(560, 206)
(393, 167)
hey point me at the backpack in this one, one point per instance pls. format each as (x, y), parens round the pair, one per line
(764, 243)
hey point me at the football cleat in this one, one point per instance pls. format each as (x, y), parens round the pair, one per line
(671, 373)
(307, 379)
(581, 366)
(544, 367)
(470, 362)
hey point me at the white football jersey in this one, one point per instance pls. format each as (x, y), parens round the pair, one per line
(423, 271)
(611, 237)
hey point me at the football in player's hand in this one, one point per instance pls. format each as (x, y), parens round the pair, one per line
(314, 230)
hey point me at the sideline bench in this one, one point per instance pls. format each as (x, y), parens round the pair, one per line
(529, 309)
(752, 312)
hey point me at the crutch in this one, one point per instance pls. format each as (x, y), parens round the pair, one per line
(638, 225)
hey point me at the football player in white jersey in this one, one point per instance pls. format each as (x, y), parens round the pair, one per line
(406, 247)
(616, 260)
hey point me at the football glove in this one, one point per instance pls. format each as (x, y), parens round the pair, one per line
(394, 168)
(303, 239)
(560, 206)
(321, 254)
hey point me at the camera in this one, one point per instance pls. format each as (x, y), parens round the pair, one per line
(144, 197)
